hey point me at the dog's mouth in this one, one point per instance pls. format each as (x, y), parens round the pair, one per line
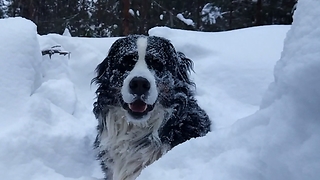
(138, 106)
(138, 109)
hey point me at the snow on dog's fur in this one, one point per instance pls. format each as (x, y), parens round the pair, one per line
(145, 105)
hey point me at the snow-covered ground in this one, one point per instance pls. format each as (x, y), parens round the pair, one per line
(265, 112)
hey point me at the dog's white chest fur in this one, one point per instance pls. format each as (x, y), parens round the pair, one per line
(130, 146)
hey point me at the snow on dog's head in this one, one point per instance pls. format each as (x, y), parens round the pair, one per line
(139, 91)
(139, 74)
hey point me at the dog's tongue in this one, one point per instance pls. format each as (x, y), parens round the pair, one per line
(138, 106)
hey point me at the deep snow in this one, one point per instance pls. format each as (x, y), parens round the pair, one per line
(281, 140)
(260, 131)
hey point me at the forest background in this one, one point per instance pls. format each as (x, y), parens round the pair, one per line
(110, 18)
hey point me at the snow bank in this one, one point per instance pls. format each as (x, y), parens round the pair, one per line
(188, 22)
(280, 141)
(232, 69)
(296, 137)
(45, 130)
(19, 65)
(86, 54)
(47, 126)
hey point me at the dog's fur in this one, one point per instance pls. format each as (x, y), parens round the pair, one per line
(141, 119)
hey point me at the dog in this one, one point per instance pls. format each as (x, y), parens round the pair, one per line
(145, 105)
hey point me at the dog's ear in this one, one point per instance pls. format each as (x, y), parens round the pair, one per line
(98, 109)
(185, 67)
(105, 64)
(100, 71)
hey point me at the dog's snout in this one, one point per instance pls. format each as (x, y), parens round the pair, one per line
(139, 85)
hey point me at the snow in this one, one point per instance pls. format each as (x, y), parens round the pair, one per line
(279, 141)
(131, 12)
(237, 80)
(44, 126)
(161, 17)
(259, 88)
(66, 32)
(140, 70)
(188, 22)
(210, 13)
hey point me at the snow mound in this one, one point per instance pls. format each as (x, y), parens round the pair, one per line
(233, 72)
(47, 126)
(281, 140)
(44, 127)
(19, 69)
(188, 22)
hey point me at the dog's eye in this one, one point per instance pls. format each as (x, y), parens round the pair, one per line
(127, 63)
(155, 64)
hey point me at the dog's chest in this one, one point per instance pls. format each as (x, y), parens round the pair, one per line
(129, 148)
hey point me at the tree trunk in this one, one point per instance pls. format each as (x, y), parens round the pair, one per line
(145, 18)
(231, 15)
(258, 17)
(197, 15)
(125, 17)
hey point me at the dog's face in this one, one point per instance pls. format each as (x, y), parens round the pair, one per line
(139, 74)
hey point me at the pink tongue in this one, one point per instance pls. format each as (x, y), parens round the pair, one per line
(138, 107)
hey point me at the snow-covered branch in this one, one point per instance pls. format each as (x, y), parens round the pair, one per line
(188, 22)
(57, 49)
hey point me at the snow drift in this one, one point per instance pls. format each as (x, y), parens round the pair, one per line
(43, 125)
(281, 140)
(261, 131)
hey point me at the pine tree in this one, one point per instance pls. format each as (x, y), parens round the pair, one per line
(79, 21)
(37, 11)
(2, 9)
(85, 22)
(105, 18)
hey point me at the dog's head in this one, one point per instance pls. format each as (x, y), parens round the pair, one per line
(139, 74)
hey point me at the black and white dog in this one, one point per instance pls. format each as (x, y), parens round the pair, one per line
(145, 105)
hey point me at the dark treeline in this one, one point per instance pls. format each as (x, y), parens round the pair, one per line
(104, 18)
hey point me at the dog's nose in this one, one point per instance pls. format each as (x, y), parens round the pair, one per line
(139, 86)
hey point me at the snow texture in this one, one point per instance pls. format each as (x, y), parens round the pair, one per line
(131, 12)
(280, 141)
(44, 127)
(140, 70)
(266, 124)
(210, 13)
(66, 32)
(188, 22)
